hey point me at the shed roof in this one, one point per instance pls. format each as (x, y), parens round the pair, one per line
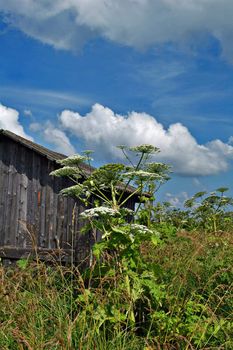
(51, 155)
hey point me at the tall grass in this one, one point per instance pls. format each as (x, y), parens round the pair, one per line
(198, 272)
(56, 307)
(42, 308)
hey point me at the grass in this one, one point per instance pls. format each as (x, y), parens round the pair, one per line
(56, 307)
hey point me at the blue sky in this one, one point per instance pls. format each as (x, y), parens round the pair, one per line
(76, 75)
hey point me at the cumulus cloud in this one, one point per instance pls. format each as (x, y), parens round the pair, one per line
(27, 113)
(176, 200)
(59, 139)
(54, 136)
(34, 127)
(9, 120)
(67, 24)
(101, 129)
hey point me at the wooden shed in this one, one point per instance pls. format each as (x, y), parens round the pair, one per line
(34, 216)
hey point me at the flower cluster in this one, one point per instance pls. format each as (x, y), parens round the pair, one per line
(147, 149)
(98, 212)
(76, 191)
(141, 174)
(66, 171)
(140, 228)
(74, 160)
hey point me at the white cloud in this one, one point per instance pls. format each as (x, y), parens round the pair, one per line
(34, 127)
(230, 141)
(9, 120)
(53, 136)
(102, 129)
(59, 139)
(176, 200)
(27, 113)
(67, 24)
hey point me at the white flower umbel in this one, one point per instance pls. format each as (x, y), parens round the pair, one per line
(141, 229)
(98, 212)
(147, 149)
(74, 160)
(142, 174)
(66, 171)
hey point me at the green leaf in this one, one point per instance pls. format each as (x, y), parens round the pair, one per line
(22, 263)
(98, 248)
(154, 239)
(199, 194)
(222, 189)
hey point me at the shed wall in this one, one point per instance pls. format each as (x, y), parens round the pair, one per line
(32, 212)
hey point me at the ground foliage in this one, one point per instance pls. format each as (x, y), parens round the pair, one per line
(160, 278)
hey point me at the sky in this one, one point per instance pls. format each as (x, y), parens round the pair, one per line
(93, 74)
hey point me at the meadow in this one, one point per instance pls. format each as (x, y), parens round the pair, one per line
(160, 278)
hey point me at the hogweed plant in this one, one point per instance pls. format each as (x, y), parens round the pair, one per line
(106, 193)
(209, 211)
(108, 189)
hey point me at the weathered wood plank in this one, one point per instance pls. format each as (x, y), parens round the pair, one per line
(42, 236)
(10, 252)
(34, 195)
(9, 218)
(2, 190)
(23, 188)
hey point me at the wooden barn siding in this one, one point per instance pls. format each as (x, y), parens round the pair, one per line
(32, 212)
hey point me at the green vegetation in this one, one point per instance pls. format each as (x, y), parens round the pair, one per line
(160, 278)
